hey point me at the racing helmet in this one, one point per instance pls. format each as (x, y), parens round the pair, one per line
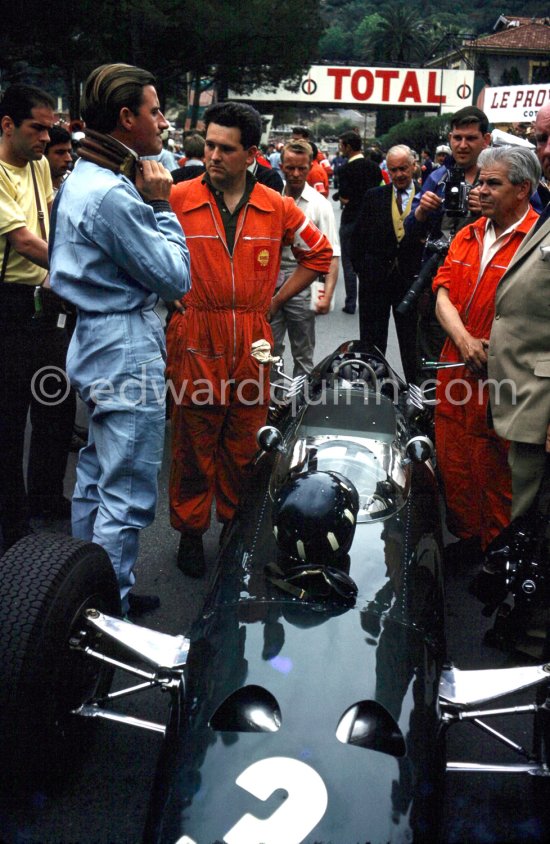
(314, 517)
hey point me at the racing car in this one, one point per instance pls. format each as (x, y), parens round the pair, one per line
(311, 698)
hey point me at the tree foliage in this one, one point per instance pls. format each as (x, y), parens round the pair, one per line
(440, 24)
(418, 132)
(238, 44)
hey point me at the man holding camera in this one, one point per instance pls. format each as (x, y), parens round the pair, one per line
(472, 459)
(430, 218)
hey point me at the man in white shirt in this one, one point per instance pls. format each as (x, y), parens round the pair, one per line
(297, 316)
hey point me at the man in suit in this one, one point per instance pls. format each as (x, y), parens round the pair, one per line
(386, 260)
(356, 177)
(519, 353)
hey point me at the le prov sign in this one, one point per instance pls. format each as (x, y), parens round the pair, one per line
(447, 90)
(514, 103)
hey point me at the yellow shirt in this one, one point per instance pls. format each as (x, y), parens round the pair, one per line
(18, 209)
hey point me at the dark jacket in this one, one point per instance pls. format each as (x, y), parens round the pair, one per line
(374, 236)
(354, 179)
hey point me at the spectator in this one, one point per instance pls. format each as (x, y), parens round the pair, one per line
(193, 146)
(355, 178)
(318, 175)
(300, 133)
(59, 155)
(426, 164)
(266, 175)
(275, 158)
(297, 315)
(337, 162)
(117, 248)
(471, 457)
(236, 228)
(469, 135)
(384, 259)
(519, 349)
(442, 152)
(32, 333)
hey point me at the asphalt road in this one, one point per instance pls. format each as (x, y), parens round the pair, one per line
(105, 800)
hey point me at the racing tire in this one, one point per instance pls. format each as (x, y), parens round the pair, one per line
(48, 581)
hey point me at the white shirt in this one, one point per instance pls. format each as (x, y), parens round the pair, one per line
(492, 243)
(320, 211)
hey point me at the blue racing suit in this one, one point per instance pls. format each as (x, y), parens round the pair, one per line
(113, 255)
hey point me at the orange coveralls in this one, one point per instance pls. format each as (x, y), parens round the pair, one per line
(318, 178)
(471, 457)
(222, 390)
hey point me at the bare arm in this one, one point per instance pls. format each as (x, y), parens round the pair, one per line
(473, 351)
(29, 246)
(330, 283)
(299, 280)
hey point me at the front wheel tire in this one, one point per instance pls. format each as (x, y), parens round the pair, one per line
(48, 581)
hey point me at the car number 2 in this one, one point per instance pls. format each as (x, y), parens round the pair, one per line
(291, 822)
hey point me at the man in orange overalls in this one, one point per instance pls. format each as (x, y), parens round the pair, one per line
(471, 457)
(235, 230)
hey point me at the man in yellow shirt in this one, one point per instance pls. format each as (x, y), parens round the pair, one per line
(33, 340)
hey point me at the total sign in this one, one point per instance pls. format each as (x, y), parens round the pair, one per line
(447, 90)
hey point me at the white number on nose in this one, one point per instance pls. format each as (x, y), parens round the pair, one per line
(303, 808)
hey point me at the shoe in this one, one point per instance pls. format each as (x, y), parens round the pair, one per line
(191, 555)
(77, 442)
(56, 508)
(348, 310)
(464, 552)
(141, 604)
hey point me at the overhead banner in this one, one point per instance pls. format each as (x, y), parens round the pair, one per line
(447, 90)
(514, 103)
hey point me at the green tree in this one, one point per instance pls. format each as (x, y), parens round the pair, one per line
(399, 37)
(336, 43)
(362, 41)
(418, 132)
(239, 45)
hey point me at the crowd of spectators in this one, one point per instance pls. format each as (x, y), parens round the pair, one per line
(232, 239)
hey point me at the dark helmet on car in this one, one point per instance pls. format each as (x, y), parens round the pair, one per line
(314, 517)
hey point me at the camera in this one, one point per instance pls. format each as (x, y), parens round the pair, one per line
(455, 200)
(438, 249)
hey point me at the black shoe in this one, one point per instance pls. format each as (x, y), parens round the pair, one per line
(50, 508)
(191, 555)
(141, 604)
(77, 443)
(347, 309)
(465, 552)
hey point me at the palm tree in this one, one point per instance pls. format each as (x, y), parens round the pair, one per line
(399, 37)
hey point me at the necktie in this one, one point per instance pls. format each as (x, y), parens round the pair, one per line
(399, 199)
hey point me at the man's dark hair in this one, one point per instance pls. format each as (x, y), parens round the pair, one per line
(375, 155)
(468, 115)
(301, 130)
(237, 116)
(19, 100)
(352, 139)
(58, 135)
(193, 146)
(109, 88)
